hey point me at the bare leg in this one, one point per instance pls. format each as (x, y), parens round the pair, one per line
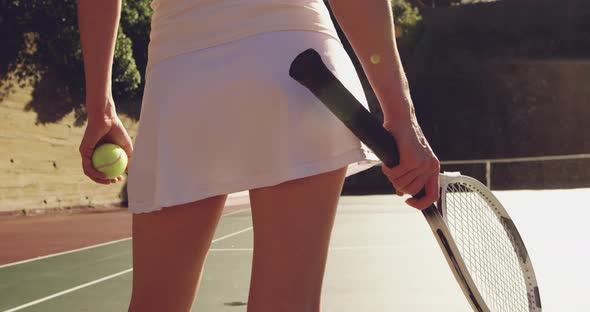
(169, 250)
(292, 226)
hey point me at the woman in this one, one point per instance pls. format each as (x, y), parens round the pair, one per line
(220, 114)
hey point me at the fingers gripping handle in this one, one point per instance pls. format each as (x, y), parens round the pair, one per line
(310, 71)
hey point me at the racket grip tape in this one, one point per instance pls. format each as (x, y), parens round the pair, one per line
(310, 71)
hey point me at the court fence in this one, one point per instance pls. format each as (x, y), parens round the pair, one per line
(540, 163)
(539, 172)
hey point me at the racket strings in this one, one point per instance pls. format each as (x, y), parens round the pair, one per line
(486, 249)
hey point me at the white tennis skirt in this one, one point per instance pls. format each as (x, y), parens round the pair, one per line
(229, 118)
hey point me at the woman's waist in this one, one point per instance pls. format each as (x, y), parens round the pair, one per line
(174, 33)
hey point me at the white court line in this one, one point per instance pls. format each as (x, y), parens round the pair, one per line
(87, 247)
(67, 291)
(232, 234)
(63, 253)
(334, 248)
(235, 212)
(101, 279)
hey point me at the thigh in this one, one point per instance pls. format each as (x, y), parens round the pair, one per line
(169, 250)
(292, 226)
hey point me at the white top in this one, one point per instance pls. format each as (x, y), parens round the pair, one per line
(181, 26)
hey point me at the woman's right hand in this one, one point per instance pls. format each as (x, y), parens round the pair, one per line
(103, 128)
(419, 167)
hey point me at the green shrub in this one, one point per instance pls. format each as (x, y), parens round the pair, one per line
(41, 48)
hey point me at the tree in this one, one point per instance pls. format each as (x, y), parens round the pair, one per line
(41, 48)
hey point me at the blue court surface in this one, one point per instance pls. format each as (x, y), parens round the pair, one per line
(383, 257)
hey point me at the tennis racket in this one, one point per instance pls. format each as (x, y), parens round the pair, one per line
(477, 236)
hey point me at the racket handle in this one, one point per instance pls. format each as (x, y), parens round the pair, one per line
(310, 71)
(420, 194)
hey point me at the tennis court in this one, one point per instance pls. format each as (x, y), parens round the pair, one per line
(497, 87)
(383, 257)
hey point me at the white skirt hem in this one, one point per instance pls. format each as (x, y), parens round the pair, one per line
(356, 160)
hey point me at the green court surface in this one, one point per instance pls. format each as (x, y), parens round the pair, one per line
(383, 257)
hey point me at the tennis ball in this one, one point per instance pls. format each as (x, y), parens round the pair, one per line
(110, 159)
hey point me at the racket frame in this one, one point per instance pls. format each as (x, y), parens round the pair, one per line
(444, 238)
(439, 221)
